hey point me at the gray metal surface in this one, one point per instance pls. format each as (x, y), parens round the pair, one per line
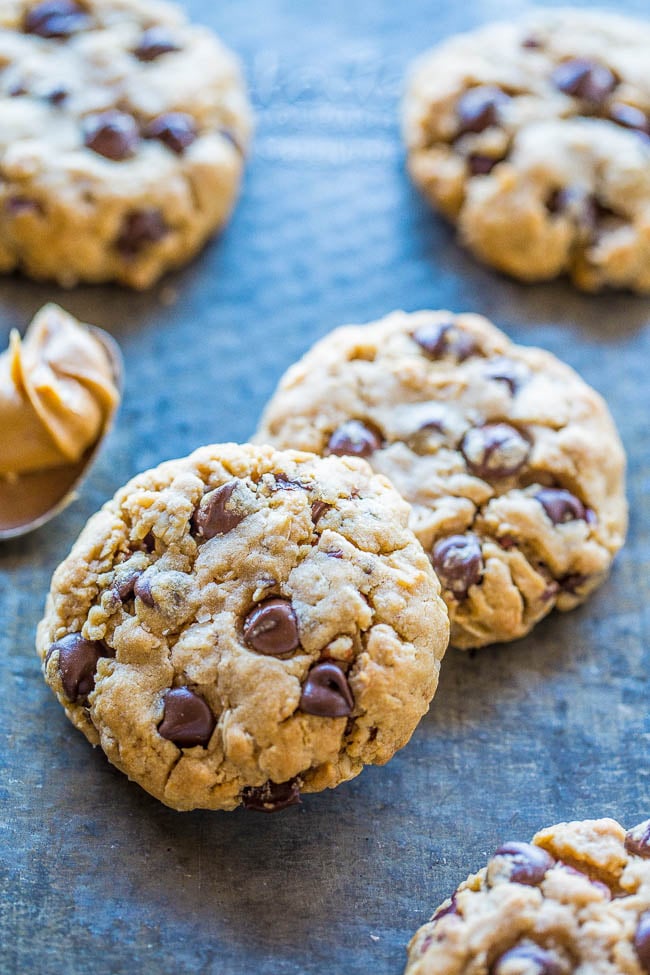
(99, 878)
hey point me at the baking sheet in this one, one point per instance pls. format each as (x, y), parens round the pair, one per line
(98, 877)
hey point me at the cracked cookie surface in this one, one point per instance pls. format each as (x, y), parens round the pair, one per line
(534, 137)
(511, 463)
(122, 139)
(576, 899)
(244, 624)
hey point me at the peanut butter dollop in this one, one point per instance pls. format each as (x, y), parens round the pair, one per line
(57, 392)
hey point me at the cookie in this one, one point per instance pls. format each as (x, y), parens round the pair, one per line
(511, 463)
(243, 625)
(576, 899)
(122, 131)
(534, 137)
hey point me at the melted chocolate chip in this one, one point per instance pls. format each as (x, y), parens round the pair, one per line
(139, 229)
(354, 437)
(629, 117)
(584, 79)
(525, 863)
(215, 515)
(78, 664)
(272, 796)
(573, 582)
(176, 130)
(142, 589)
(481, 165)
(318, 509)
(504, 370)
(155, 42)
(561, 506)
(458, 562)
(187, 719)
(478, 108)
(124, 586)
(637, 840)
(272, 628)
(529, 958)
(439, 339)
(17, 205)
(326, 692)
(495, 450)
(642, 941)
(112, 134)
(55, 19)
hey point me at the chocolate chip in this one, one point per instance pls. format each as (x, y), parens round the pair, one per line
(272, 796)
(16, 90)
(560, 505)
(142, 589)
(642, 941)
(55, 18)
(575, 202)
(215, 515)
(438, 339)
(629, 117)
(584, 79)
(530, 959)
(318, 509)
(444, 910)
(176, 130)
(112, 134)
(495, 450)
(272, 628)
(637, 840)
(77, 664)
(284, 483)
(139, 229)
(187, 719)
(504, 370)
(531, 42)
(57, 95)
(326, 692)
(354, 437)
(478, 108)
(458, 562)
(154, 42)
(124, 585)
(481, 165)
(524, 863)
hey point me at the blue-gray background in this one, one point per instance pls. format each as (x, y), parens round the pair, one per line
(99, 878)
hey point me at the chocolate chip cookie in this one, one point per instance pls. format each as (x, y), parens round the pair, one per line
(576, 899)
(122, 131)
(534, 137)
(511, 463)
(244, 625)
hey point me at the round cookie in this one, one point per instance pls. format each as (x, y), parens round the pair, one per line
(245, 624)
(576, 899)
(534, 137)
(511, 463)
(122, 132)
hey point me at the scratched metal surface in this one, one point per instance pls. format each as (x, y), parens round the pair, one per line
(98, 877)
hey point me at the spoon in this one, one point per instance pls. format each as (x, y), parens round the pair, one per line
(30, 500)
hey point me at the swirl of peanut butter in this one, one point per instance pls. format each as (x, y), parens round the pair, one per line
(57, 394)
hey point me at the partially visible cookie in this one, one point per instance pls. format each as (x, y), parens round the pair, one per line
(245, 624)
(576, 899)
(534, 137)
(511, 463)
(122, 132)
